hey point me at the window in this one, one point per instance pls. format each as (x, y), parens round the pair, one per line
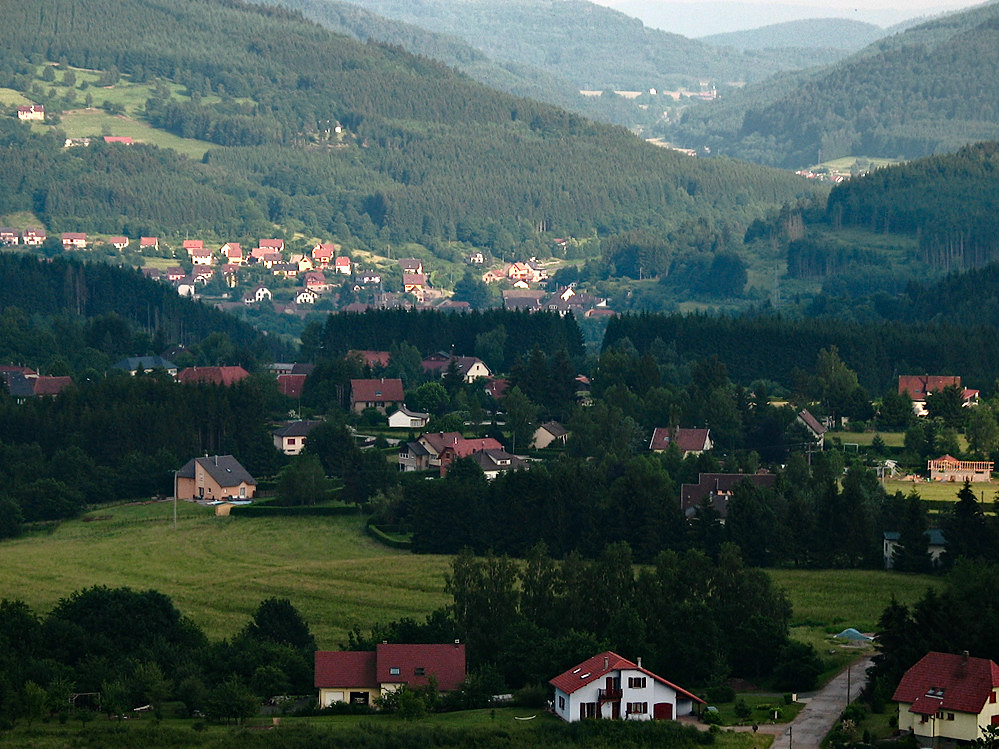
(394, 671)
(992, 698)
(638, 708)
(924, 718)
(561, 702)
(636, 682)
(950, 716)
(291, 440)
(419, 671)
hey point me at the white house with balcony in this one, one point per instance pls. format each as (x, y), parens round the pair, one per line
(610, 687)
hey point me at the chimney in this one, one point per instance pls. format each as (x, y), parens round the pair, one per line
(964, 658)
(639, 661)
(606, 663)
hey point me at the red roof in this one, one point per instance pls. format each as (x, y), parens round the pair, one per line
(598, 666)
(148, 241)
(193, 244)
(275, 244)
(392, 664)
(917, 386)
(212, 375)
(126, 139)
(291, 384)
(688, 440)
(345, 669)
(943, 681)
(383, 390)
(415, 664)
(371, 358)
(51, 385)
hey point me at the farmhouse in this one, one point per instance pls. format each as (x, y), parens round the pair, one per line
(379, 394)
(218, 477)
(31, 112)
(134, 364)
(359, 678)
(33, 237)
(946, 698)
(918, 387)
(612, 687)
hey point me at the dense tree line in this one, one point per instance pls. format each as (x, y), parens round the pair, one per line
(134, 648)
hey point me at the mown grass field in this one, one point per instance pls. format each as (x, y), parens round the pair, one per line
(80, 123)
(217, 570)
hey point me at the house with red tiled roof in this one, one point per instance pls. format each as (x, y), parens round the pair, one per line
(415, 284)
(212, 375)
(361, 677)
(341, 265)
(689, 441)
(323, 253)
(609, 686)
(31, 112)
(315, 280)
(74, 240)
(33, 237)
(946, 698)
(149, 243)
(375, 393)
(233, 252)
(918, 387)
(276, 245)
(717, 489)
(193, 244)
(291, 384)
(8, 235)
(119, 243)
(371, 358)
(202, 257)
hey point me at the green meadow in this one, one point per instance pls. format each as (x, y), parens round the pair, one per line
(217, 570)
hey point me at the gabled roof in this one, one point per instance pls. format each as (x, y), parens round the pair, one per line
(719, 487)
(296, 428)
(595, 668)
(133, 363)
(382, 390)
(371, 358)
(51, 385)
(345, 669)
(214, 375)
(224, 469)
(918, 386)
(943, 681)
(811, 423)
(555, 429)
(291, 384)
(688, 440)
(445, 662)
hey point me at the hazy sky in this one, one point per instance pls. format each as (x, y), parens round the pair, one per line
(696, 18)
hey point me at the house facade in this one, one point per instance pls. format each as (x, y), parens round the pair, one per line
(403, 418)
(610, 687)
(947, 698)
(216, 477)
(290, 438)
(548, 433)
(359, 678)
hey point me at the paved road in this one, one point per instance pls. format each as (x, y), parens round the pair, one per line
(823, 709)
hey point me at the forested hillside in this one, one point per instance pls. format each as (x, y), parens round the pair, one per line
(425, 152)
(830, 38)
(925, 91)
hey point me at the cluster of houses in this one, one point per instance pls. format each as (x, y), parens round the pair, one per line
(24, 382)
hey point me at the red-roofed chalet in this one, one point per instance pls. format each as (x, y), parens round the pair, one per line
(948, 697)
(361, 677)
(609, 686)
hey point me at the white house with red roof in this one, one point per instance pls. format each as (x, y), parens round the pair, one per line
(323, 253)
(119, 243)
(233, 251)
(341, 265)
(202, 256)
(277, 245)
(190, 245)
(361, 677)
(31, 112)
(74, 240)
(947, 698)
(609, 686)
(33, 237)
(918, 387)
(149, 243)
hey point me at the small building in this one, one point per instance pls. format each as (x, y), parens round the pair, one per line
(72, 240)
(341, 265)
(30, 112)
(948, 468)
(216, 478)
(259, 294)
(816, 430)
(918, 387)
(359, 678)
(935, 547)
(133, 364)
(608, 686)
(291, 384)
(149, 243)
(689, 441)
(947, 698)
(290, 438)
(33, 237)
(411, 265)
(548, 433)
(8, 236)
(403, 418)
(494, 462)
(190, 245)
(376, 393)
(717, 489)
(202, 257)
(119, 243)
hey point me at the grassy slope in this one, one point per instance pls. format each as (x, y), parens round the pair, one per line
(217, 570)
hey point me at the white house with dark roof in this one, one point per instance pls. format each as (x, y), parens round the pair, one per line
(403, 418)
(813, 426)
(290, 438)
(611, 687)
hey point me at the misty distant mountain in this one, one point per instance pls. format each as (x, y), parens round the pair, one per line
(839, 35)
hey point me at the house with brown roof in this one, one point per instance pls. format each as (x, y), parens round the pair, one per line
(277, 245)
(73, 240)
(375, 393)
(470, 368)
(717, 489)
(212, 375)
(315, 280)
(33, 237)
(608, 686)
(411, 265)
(119, 243)
(548, 433)
(371, 358)
(8, 236)
(689, 441)
(948, 698)
(149, 243)
(415, 284)
(360, 678)
(291, 384)
(202, 257)
(813, 426)
(31, 112)
(216, 477)
(440, 449)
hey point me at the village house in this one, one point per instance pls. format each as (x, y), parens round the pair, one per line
(135, 364)
(816, 430)
(415, 284)
(375, 393)
(286, 270)
(33, 237)
(291, 384)
(323, 253)
(411, 265)
(190, 245)
(316, 281)
(361, 677)
(608, 686)
(31, 112)
(403, 418)
(551, 432)
(149, 243)
(290, 438)
(470, 368)
(948, 468)
(717, 489)
(918, 387)
(175, 273)
(526, 299)
(119, 243)
(936, 546)
(202, 257)
(373, 359)
(23, 383)
(494, 462)
(275, 245)
(8, 236)
(948, 698)
(215, 478)
(233, 252)
(72, 240)
(437, 450)
(259, 294)
(689, 441)
(341, 265)
(306, 296)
